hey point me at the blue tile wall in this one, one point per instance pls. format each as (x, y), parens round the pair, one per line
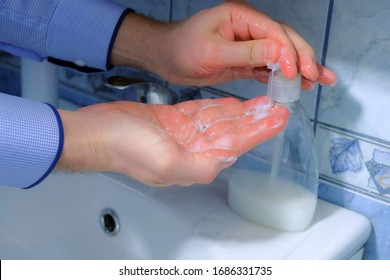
(350, 119)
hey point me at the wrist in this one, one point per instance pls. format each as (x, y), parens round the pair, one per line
(140, 43)
(83, 148)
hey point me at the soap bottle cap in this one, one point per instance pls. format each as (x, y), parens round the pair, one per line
(282, 90)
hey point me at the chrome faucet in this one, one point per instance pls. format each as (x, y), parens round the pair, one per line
(148, 92)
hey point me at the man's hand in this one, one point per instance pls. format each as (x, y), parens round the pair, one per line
(161, 145)
(228, 42)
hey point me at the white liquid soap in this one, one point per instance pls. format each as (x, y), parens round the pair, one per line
(282, 204)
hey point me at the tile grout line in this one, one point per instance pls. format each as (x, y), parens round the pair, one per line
(323, 61)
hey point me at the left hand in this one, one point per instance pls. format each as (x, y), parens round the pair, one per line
(161, 145)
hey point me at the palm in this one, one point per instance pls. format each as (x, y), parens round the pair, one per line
(220, 124)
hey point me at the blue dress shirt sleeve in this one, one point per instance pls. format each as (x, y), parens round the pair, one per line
(72, 31)
(31, 141)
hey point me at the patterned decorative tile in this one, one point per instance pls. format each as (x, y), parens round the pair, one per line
(345, 155)
(354, 162)
(379, 169)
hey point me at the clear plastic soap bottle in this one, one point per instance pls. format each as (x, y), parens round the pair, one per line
(280, 191)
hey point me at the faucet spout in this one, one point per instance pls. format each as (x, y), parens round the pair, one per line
(158, 94)
(152, 93)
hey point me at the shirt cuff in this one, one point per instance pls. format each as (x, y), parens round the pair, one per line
(31, 141)
(81, 32)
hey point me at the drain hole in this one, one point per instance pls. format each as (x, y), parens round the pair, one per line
(110, 222)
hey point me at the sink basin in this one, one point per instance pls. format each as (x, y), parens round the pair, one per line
(109, 216)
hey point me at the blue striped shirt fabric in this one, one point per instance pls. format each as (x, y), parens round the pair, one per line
(31, 141)
(76, 31)
(80, 32)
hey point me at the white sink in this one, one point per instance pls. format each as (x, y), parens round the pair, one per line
(61, 219)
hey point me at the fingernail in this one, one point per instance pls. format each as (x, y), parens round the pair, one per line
(309, 68)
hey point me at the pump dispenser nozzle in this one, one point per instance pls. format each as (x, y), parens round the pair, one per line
(282, 90)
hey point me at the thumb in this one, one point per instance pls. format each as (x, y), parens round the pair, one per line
(252, 53)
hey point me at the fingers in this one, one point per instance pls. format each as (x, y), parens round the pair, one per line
(305, 54)
(262, 130)
(273, 30)
(251, 39)
(203, 167)
(263, 36)
(222, 114)
(326, 76)
(192, 107)
(311, 71)
(208, 115)
(251, 53)
(308, 67)
(251, 131)
(251, 123)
